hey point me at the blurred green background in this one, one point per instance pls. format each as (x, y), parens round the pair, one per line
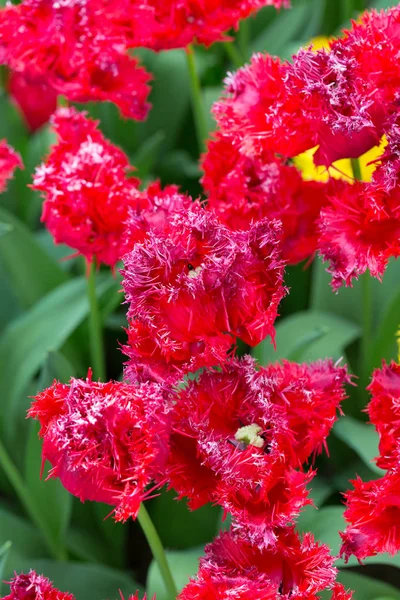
(43, 335)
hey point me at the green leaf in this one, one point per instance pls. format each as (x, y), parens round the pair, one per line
(37, 148)
(112, 298)
(325, 524)
(298, 278)
(380, 559)
(352, 468)
(11, 125)
(308, 336)
(4, 551)
(361, 437)
(123, 132)
(366, 588)
(178, 164)
(114, 534)
(287, 26)
(347, 301)
(320, 490)
(210, 96)
(57, 367)
(26, 342)
(26, 541)
(87, 542)
(171, 517)
(309, 31)
(9, 305)
(50, 497)
(314, 23)
(169, 96)
(144, 159)
(384, 345)
(57, 252)
(384, 3)
(183, 565)
(30, 271)
(88, 547)
(224, 521)
(5, 228)
(86, 581)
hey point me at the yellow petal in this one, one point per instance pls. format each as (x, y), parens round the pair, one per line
(319, 42)
(341, 169)
(375, 152)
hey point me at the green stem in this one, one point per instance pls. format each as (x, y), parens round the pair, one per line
(158, 551)
(22, 492)
(244, 38)
(347, 10)
(355, 165)
(233, 53)
(62, 101)
(199, 113)
(3, 78)
(367, 306)
(95, 325)
(366, 341)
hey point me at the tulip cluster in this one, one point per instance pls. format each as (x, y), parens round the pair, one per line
(81, 49)
(201, 276)
(329, 102)
(91, 202)
(236, 435)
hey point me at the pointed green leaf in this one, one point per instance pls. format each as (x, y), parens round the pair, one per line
(366, 588)
(9, 305)
(56, 366)
(379, 4)
(348, 300)
(325, 524)
(146, 156)
(88, 547)
(26, 541)
(286, 26)
(60, 253)
(183, 565)
(307, 336)
(30, 271)
(49, 496)
(384, 345)
(169, 96)
(200, 525)
(361, 437)
(4, 552)
(25, 344)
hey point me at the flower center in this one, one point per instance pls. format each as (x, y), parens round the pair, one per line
(250, 435)
(194, 271)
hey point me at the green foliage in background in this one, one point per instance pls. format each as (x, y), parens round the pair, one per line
(43, 335)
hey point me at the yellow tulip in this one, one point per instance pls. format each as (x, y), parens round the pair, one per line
(320, 42)
(340, 169)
